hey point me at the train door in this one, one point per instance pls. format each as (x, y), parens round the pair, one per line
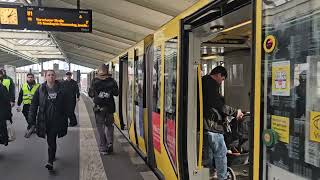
(218, 34)
(288, 32)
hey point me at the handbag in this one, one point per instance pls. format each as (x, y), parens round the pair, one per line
(11, 132)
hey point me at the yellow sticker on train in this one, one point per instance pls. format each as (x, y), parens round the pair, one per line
(281, 126)
(315, 126)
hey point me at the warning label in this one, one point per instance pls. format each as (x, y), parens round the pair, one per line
(315, 126)
(281, 126)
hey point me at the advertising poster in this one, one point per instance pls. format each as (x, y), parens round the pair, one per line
(156, 131)
(315, 126)
(281, 78)
(281, 126)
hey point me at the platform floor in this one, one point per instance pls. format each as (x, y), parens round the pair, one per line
(77, 155)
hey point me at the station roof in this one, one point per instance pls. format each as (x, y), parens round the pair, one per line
(117, 25)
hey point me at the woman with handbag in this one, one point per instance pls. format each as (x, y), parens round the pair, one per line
(5, 112)
(48, 114)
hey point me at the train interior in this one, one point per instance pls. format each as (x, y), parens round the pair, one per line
(227, 41)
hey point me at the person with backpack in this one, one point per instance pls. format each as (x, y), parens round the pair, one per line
(102, 90)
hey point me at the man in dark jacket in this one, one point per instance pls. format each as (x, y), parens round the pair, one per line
(102, 90)
(5, 112)
(72, 90)
(9, 84)
(47, 113)
(215, 124)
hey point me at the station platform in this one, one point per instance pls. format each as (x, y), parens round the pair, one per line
(78, 157)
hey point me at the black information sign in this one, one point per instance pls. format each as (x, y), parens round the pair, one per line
(58, 19)
(45, 19)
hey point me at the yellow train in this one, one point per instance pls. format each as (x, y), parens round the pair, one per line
(270, 49)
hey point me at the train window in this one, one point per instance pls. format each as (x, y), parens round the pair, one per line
(170, 90)
(138, 100)
(130, 92)
(291, 96)
(156, 76)
(156, 80)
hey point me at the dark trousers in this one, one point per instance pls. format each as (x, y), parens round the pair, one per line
(70, 112)
(52, 145)
(25, 112)
(104, 122)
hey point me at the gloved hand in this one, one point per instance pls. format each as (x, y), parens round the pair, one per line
(19, 109)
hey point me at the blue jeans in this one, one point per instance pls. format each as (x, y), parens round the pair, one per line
(217, 154)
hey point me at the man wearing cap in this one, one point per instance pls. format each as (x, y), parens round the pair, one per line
(72, 90)
(25, 97)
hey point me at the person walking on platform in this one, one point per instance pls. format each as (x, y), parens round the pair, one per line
(25, 97)
(47, 113)
(102, 90)
(5, 112)
(72, 90)
(10, 86)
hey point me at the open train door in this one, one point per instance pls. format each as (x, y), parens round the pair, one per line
(221, 33)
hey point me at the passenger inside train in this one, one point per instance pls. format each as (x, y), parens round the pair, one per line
(225, 54)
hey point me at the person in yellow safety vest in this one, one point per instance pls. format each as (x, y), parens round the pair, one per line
(25, 97)
(10, 86)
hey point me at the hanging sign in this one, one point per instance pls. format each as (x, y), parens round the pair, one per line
(58, 19)
(45, 18)
(281, 78)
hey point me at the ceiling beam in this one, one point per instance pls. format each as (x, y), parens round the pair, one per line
(48, 56)
(86, 38)
(24, 35)
(69, 47)
(88, 43)
(87, 48)
(86, 64)
(162, 10)
(36, 48)
(85, 58)
(123, 40)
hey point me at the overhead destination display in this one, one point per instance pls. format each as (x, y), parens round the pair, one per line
(58, 19)
(45, 18)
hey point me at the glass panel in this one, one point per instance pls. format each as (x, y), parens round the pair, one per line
(139, 76)
(130, 93)
(115, 75)
(291, 99)
(170, 83)
(156, 76)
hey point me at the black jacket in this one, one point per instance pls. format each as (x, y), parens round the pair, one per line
(12, 91)
(72, 88)
(214, 108)
(5, 114)
(102, 92)
(38, 114)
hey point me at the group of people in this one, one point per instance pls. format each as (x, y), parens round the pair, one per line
(48, 106)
